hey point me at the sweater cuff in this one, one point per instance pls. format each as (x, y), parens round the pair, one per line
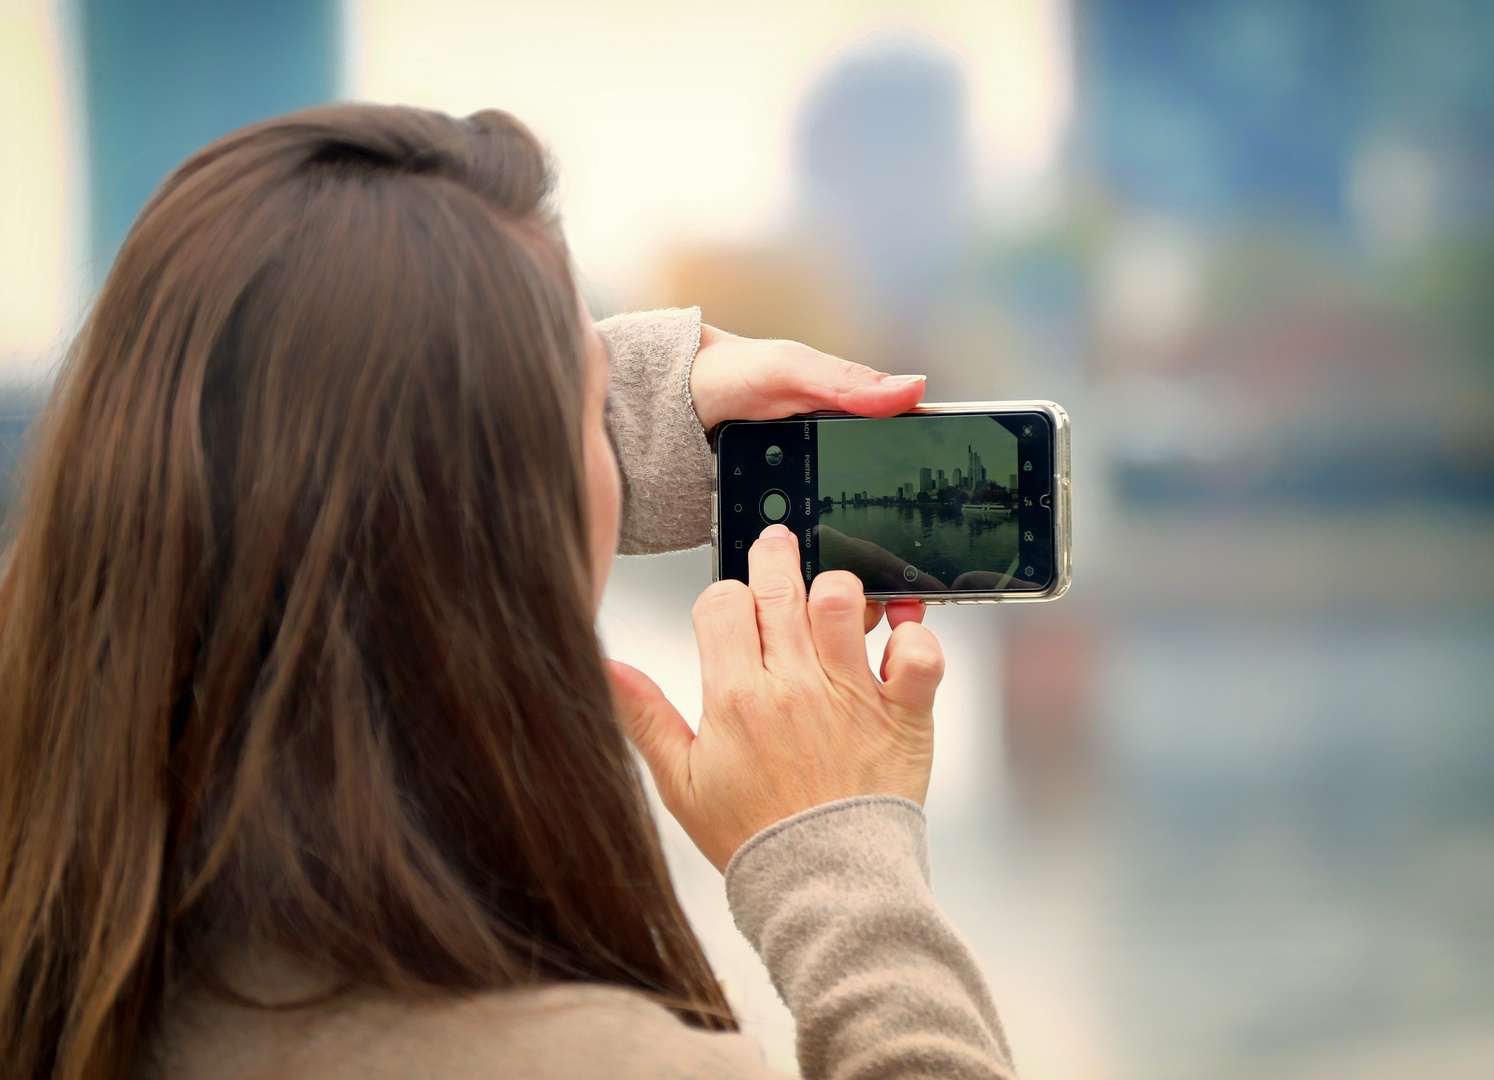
(660, 444)
(863, 844)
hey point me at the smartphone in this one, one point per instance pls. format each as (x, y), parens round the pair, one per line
(958, 503)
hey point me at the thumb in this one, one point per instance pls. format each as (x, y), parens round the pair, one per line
(911, 669)
(656, 728)
(866, 392)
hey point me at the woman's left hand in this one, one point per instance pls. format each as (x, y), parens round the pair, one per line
(737, 378)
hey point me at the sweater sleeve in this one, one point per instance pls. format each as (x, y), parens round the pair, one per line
(836, 901)
(665, 460)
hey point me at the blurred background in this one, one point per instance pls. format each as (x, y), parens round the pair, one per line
(1227, 809)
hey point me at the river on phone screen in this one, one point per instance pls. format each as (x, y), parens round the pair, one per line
(944, 541)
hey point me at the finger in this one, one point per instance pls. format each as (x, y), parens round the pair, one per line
(901, 611)
(773, 572)
(873, 615)
(740, 378)
(837, 612)
(877, 567)
(888, 395)
(911, 668)
(656, 728)
(725, 620)
(802, 379)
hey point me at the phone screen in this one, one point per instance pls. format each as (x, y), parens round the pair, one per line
(932, 503)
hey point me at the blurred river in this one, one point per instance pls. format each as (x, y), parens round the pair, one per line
(941, 541)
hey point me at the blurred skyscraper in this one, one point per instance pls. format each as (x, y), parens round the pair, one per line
(1299, 197)
(1223, 110)
(164, 77)
(882, 157)
(160, 79)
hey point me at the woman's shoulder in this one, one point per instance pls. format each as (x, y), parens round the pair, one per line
(589, 1030)
(569, 1031)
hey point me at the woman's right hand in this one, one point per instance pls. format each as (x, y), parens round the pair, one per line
(793, 716)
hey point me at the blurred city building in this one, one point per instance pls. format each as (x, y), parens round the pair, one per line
(140, 85)
(1300, 216)
(162, 78)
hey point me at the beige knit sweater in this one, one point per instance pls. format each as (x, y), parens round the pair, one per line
(835, 900)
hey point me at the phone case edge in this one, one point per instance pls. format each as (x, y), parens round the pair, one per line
(1062, 484)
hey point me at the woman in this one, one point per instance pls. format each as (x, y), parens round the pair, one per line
(309, 762)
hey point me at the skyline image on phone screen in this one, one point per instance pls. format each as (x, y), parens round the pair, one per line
(939, 493)
(942, 502)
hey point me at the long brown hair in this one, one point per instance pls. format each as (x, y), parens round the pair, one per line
(296, 642)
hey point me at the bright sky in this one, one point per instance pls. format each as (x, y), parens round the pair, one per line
(672, 120)
(38, 213)
(879, 456)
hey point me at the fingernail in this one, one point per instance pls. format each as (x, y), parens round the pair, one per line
(774, 530)
(901, 381)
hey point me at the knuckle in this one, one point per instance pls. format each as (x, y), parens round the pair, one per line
(853, 374)
(919, 653)
(776, 588)
(795, 364)
(837, 592)
(738, 700)
(794, 691)
(720, 598)
(924, 662)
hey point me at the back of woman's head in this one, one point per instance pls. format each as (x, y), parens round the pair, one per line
(296, 646)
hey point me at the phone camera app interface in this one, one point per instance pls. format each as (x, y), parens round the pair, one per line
(933, 503)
